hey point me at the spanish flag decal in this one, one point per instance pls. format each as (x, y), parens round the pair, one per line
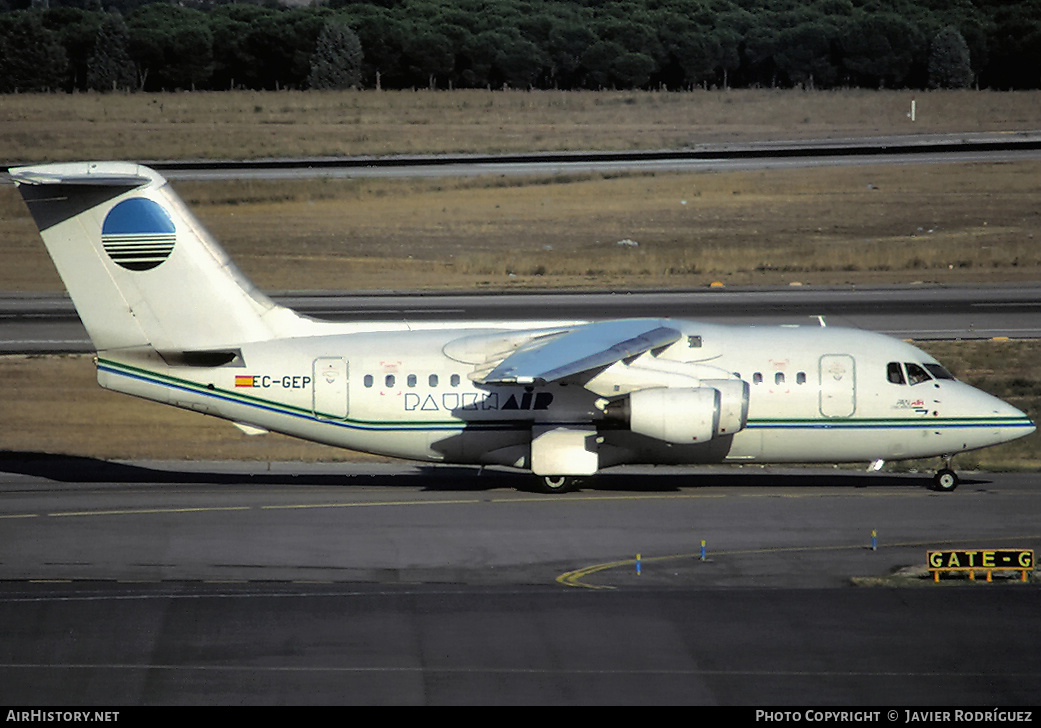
(243, 380)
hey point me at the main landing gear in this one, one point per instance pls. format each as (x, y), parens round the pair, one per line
(557, 484)
(945, 479)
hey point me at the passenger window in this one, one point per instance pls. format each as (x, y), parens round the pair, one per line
(895, 372)
(455, 380)
(779, 378)
(800, 378)
(368, 380)
(432, 380)
(757, 378)
(915, 374)
(389, 381)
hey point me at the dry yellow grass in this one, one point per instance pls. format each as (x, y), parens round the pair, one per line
(258, 124)
(941, 222)
(828, 226)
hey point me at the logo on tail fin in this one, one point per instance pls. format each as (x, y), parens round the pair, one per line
(138, 234)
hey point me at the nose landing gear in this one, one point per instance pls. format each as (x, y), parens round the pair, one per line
(945, 479)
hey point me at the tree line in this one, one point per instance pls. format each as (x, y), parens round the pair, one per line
(135, 45)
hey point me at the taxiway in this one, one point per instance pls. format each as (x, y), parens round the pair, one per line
(216, 583)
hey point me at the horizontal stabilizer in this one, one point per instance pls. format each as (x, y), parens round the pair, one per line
(32, 177)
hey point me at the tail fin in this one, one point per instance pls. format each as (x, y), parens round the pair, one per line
(141, 269)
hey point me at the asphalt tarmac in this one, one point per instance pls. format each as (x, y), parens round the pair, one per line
(49, 324)
(226, 583)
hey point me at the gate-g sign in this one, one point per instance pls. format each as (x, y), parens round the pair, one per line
(973, 560)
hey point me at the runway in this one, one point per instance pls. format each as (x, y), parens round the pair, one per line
(49, 324)
(701, 158)
(718, 157)
(165, 583)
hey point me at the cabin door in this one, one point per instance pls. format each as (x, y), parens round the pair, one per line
(838, 385)
(329, 383)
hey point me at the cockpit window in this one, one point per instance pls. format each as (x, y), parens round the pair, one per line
(915, 374)
(938, 371)
(895, 373)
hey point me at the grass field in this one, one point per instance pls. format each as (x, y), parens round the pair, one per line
(259, 124)
(854, 225)
(948, 222)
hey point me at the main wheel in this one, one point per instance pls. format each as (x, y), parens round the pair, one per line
(945, 481)
(557, 484)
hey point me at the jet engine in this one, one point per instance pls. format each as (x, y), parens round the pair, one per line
(733, 405)
(684, 415)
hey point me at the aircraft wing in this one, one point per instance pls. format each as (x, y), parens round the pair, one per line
(580, 349)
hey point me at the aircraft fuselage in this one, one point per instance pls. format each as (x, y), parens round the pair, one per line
(815, 394)
(174, 320)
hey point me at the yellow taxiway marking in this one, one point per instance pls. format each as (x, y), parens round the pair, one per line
(575, 576)
(554, 500)
(222, 509)
(374, 503)
(137, 511)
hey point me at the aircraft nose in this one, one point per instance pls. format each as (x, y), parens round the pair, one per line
(1028, 425)
(1012, 422)
(1004, 409)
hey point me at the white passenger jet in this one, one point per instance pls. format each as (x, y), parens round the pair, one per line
(173, 320)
